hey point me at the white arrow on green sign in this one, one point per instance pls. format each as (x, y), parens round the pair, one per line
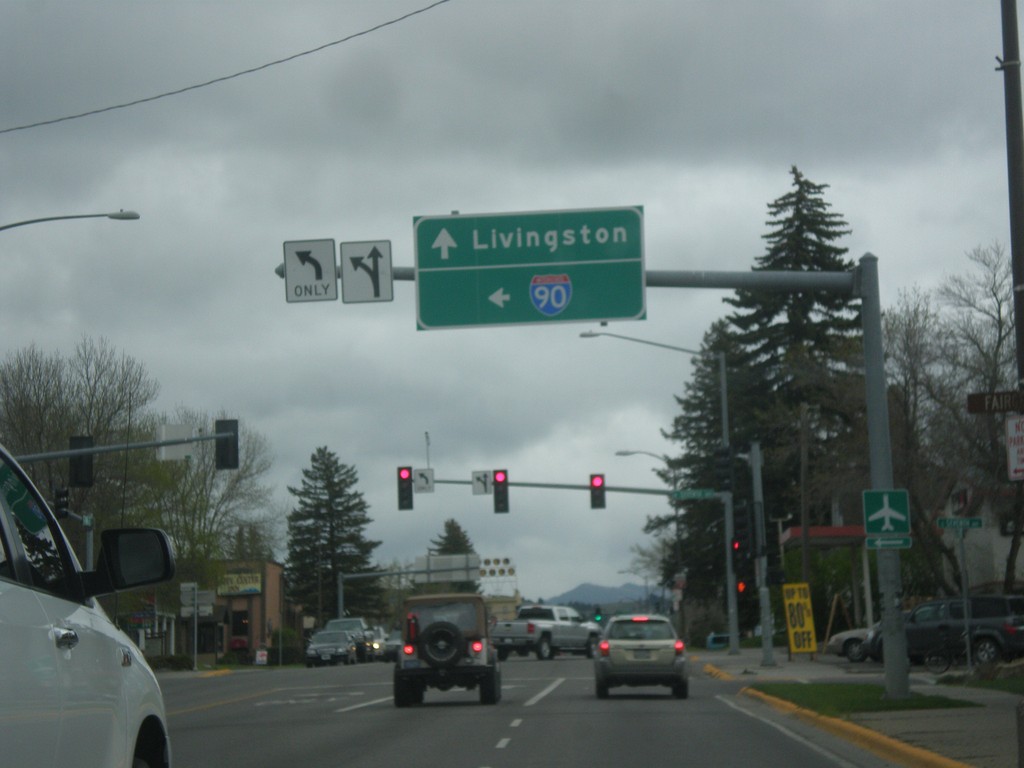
(888, 542)
(532, 267)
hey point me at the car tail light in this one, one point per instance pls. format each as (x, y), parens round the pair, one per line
(680, 647)
(603, 648)
(477, 646)
(1010, 629)
(409, 649)
(640, 618)
(530, 627)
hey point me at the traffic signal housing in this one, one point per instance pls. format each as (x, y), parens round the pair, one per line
(61, 503)
(405, 487)
(597, 492)
(226, 452)
(500, 482)
(723, 468)
(742, 535)
(80, 467)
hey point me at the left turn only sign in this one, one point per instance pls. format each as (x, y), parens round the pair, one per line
(310, 272)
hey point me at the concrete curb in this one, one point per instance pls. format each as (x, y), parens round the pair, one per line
(884, 746)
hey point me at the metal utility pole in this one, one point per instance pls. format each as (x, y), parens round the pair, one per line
(1009, 65)
(761, 538)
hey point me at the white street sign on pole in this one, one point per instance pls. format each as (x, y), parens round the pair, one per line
(1015, 446)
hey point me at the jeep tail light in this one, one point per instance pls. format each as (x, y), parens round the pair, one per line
(604, 648)
(477, 646)
(409, 649)
(680, 647)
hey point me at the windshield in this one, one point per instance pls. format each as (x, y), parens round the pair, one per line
(329, 638)
(462, 615)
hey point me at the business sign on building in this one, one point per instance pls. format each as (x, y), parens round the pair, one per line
(240, 583)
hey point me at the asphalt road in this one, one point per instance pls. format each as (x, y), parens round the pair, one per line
(548, 716)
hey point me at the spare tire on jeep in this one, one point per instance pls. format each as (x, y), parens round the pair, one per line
(442, 644)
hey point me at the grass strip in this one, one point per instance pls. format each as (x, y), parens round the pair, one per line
(842, 699)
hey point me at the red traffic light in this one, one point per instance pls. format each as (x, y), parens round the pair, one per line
(741, 587)
(500, 476)
(597, 481)
(404, 473)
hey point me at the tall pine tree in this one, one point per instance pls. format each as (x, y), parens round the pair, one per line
(454, 541)
(326, 538)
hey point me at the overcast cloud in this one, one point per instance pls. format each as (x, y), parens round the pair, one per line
(693, 110)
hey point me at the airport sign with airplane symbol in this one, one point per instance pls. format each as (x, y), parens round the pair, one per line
(886, 512)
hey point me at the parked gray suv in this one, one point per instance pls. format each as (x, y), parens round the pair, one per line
(997, 624)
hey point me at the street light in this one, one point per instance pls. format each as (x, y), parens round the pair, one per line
(121, 215)
(677, 550)
(730, 575)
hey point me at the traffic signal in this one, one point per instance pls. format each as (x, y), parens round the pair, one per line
(405, 487)
(723, 468)
(226, 456)
(80, 467)
(742, 541)
(597, 491)
(500, 482)
(741, 586)
(60, 502)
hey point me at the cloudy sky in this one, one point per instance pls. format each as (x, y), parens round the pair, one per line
(694, 110)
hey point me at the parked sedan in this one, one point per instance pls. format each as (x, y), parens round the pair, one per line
(330, 647)
(850, 644)
(639, 649)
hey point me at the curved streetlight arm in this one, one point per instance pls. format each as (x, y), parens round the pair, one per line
(593, 334)
(118, 215)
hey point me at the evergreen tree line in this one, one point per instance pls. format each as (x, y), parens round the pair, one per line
(796, 386)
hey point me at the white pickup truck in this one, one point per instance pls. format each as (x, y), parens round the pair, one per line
(546, 630)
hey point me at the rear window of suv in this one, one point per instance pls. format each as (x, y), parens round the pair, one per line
(640, 630)
(988, 607)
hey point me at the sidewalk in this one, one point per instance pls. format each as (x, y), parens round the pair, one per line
(984, 736)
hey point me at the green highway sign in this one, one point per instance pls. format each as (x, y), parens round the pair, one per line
(532, 267)
(960, 522)
(888, 542)
(685, 494)
(886, 512)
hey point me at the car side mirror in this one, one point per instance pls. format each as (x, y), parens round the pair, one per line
(129, 558)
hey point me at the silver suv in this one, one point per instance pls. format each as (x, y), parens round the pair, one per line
(74, 689)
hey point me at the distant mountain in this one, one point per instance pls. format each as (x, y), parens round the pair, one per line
(595, 594)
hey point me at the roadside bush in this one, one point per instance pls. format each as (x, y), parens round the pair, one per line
(178, 662)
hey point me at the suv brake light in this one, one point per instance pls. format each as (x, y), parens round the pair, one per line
(409, 649)
(680, 647)
(477, 646)
(604, 648)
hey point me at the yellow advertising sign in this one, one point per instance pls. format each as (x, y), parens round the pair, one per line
(799, 618)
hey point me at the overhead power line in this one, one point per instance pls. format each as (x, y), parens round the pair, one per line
(225, 78)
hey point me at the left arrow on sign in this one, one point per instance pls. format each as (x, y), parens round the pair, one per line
(499, 297)
(306, 258)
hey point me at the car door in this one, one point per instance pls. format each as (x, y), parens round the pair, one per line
(927, 627)
(30, 699)
(74, 649)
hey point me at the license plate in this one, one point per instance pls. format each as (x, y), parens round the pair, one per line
(325, 656)
(411, 664)
(641, 655)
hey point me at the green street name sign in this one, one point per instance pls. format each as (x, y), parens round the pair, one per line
(533, 267)
(960, 522)
(886, 512)
(888, 542)
(686, 494)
